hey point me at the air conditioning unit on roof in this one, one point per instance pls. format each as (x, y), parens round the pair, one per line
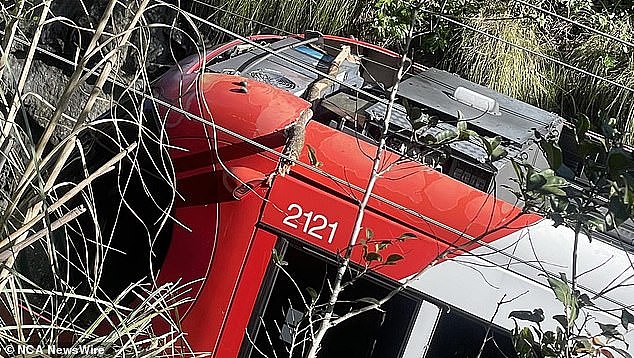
(477, 100)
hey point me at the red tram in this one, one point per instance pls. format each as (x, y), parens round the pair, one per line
(231, 107)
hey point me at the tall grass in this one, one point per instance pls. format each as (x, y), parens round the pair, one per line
(81, 219)
(530, 78)
(502, 67)
(327, 16)
(608, 59)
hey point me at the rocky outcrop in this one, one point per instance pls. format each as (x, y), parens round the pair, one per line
(151, 49)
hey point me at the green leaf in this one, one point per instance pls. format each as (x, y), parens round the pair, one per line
(382, 245)
(495, 142)
(464, 135)
(462, 126)
(313, 294)
(519, 173)
(618, 212)
(393, 259)
(552, 152)
(559, 204)
(609, 330)
(405, 236)
(445, 135)
(626, 318)
(413, 112)
(583, 345)
(563, 321)
(373, 256)
(564, 295)
(583, 125)
(536, 316)
(549, 337)
(619, 162)
(584, 300)
(498, 153)
(487, 145)
(534, 180)
(524, 341)
(553, 183)
(429, 139)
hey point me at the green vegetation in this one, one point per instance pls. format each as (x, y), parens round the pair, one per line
(493, 51)
(327, 16)
(505, 68)
(478, 57)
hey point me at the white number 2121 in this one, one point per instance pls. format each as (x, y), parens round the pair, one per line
(314, 224)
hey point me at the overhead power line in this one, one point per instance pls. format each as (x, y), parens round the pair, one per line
(254, 143)
(280, 30)
(274, 53)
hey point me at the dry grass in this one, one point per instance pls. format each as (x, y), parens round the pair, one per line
(67, 206)
(502, 67)
(328, 16)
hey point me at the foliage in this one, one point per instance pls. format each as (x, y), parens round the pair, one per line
(500, 66)
(601, 202)
(270, 16)
(391, 19)
(609, 172)
(609, 59)
(534, 341)
(485, 56)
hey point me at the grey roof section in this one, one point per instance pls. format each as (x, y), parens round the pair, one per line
(399, 115)
(434, 88)
(274, 70)
(472, 148)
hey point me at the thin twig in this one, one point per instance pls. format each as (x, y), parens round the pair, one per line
(13, 249)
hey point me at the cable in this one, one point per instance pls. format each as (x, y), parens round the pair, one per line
(220, 9)
(574, 68)
(311, 69)
(275, 54)
(260, 146)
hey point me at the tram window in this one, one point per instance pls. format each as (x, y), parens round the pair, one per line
(374, 334)
(470, 174)
(459, 336)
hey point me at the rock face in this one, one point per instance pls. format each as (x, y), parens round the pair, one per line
(152, 49)
(42, 91)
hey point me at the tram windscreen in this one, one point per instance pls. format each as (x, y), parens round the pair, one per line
(281, 323)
